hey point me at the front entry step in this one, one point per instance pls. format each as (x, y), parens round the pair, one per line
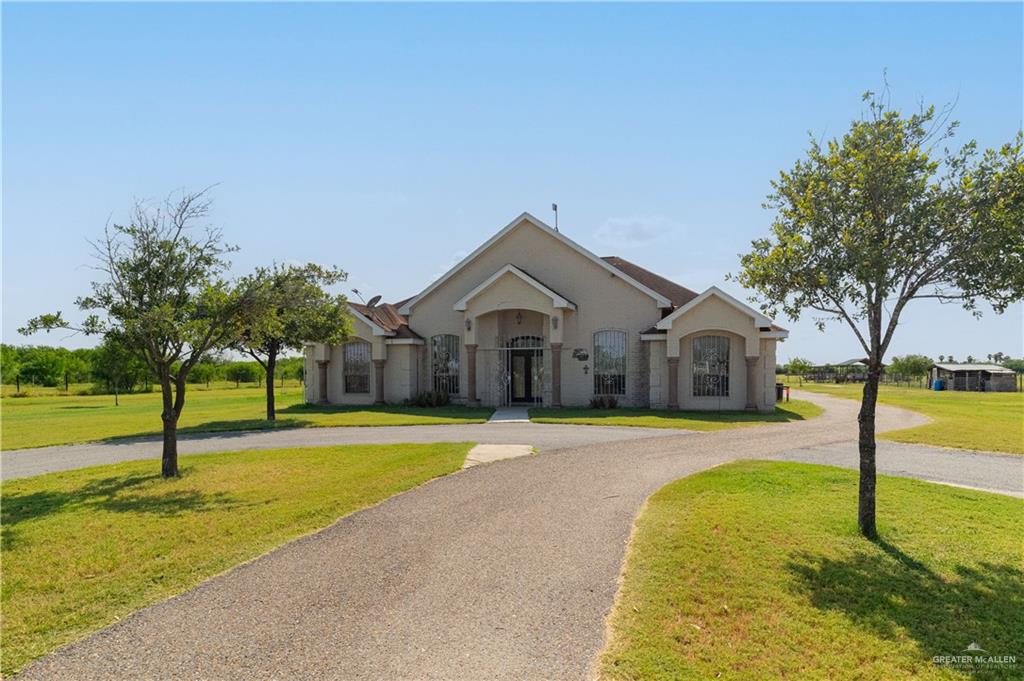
(510, 415)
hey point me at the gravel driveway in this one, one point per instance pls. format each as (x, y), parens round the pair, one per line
(503, 571)
(23, 463)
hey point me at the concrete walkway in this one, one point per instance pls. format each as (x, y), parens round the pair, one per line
(510, 415)
(503, 571)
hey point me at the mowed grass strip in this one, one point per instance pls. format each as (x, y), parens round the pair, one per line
(992, 422)
(755, 570)
(795, 410)
(42, 421)
(82, 549)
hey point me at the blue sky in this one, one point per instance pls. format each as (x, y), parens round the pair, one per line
(363, 135)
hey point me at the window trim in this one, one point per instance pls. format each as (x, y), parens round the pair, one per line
(708, 391)
(364, 348)
(618, 379)
(450, 378)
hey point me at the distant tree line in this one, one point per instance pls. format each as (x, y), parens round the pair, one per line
(109, 369)
(905, 367)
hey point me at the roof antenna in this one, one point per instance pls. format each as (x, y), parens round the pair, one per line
(554, 207)
(356, 291)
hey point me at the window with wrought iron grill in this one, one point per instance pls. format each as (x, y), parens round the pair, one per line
(444, 363)
(610, 363)
(357, 367)
(711, 366)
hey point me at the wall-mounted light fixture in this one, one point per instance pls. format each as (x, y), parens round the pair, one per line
(586, 369)
(519, 317)
(469, 325)
(554, 322)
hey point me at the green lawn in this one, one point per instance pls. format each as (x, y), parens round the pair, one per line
(41, 421)
(84, 548)
(755, 570)
(991, 422)
(795, 410)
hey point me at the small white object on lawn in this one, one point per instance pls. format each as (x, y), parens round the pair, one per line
(510, 415)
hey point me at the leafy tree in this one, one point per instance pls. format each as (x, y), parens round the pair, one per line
(209, 368)
(244, 372)
(800, 367)
(970, 359)
(1015, 364)
(42, 365)
(910, 365)
(870, 222)
(942, 358)
(294, 309)
(164, 297)
(117, 367)
(10, 363)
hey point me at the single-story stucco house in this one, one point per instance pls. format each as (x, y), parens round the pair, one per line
(532, 317)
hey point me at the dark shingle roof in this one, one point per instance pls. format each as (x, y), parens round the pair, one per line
(678, 295)
(386, 316)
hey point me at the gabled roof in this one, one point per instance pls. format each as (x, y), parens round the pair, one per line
(384, 319)
(957, 366)
(759, 319)
(557, 300)
(526, 218)
(679, 295)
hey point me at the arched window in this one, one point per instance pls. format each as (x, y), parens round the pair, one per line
(444, 363)
(711, 366)
(610, 363)
(357, 367)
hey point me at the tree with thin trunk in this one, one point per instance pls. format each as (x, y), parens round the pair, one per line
(294, 309)
(882, 217)
(164, 297)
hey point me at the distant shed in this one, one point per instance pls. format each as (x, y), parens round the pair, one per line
(984, 377)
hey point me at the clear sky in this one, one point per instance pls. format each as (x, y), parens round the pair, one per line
(392, 139)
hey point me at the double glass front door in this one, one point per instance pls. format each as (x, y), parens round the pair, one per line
(526, 371)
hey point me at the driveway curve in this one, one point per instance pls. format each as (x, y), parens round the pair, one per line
(503, 571)
(22, 463)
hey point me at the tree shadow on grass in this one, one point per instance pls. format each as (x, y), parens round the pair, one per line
(780, 415)
(123, 494)
(894, 594)
(450, 411)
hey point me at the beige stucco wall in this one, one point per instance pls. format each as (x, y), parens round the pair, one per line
(714, 317)
(764, 374)
(603, 300)
(401, 370)
(715, 313)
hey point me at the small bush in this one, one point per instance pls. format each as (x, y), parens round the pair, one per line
(431, 398)
(604, 402)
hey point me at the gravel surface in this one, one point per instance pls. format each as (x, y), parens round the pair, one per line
(23, 463)
(502, 571)
(1002, 473)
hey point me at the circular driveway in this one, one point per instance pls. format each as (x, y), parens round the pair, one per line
(502, 571)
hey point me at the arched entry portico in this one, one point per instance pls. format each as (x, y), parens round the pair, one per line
(513, 337)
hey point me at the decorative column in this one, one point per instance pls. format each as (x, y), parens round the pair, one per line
(378, 375)
(471, 375)
(751, 376)
(321, 366)
(556, 374)
(673, 382)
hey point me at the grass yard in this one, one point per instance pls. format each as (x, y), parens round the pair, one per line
(84, 548)
(991, 422)
(756, 570)
(41, 421)
(795, 410)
